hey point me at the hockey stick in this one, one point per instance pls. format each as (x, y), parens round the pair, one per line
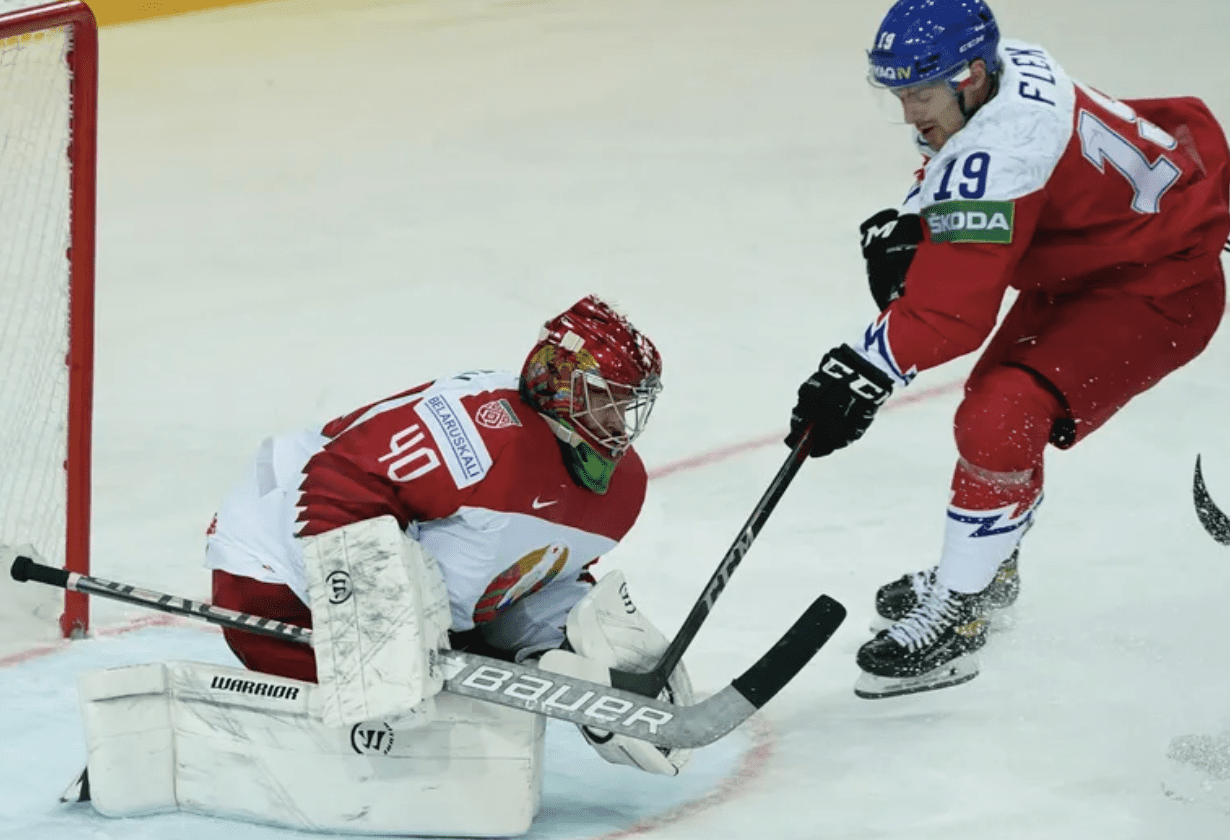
(1211, 516)
(526, 687)
(652, 682)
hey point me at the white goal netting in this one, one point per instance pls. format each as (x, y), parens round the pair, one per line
(35, 292)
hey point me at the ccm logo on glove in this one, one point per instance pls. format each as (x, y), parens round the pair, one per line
(860, 385)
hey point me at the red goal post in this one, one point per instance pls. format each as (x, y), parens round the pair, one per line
(49, 90)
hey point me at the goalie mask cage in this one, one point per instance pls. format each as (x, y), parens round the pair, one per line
(48, 110)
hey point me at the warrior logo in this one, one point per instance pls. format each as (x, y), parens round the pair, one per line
(339, 587)
(371, 739)
(255, 688)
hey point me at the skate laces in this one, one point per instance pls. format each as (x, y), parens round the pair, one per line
(923, 580)
(925, 622)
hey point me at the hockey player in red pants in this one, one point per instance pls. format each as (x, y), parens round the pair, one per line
(1107, 216)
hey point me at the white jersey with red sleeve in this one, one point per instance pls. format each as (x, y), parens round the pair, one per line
(1048, 187)
(470, 471)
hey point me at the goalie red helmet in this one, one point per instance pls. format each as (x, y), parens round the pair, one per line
(596, 375)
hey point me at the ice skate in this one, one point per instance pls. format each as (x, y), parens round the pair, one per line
(933, 646)
(895, 600)
(79, 790)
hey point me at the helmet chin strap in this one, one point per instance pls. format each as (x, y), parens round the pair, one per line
(562, 431)
(968, 112)
(588, 468)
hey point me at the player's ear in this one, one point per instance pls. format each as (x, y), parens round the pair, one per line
(980, 77)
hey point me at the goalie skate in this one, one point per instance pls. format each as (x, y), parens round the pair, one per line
(79, 790)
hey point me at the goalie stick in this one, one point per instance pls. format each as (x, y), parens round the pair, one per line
(1211, 516)
(652, 682)
(528, 688)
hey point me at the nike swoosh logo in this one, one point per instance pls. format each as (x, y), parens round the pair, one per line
(537, 505)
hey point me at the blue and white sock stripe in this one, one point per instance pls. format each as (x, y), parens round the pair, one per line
(977, 541)
(992, 523)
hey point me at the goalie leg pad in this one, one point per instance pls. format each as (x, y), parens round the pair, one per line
(606, 630)
(380, 611)
(229, 743)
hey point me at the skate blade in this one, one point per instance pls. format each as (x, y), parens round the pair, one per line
(79, 790)
(960, 670)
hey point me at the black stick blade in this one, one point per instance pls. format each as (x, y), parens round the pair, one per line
(1211, 516)
(794, 650)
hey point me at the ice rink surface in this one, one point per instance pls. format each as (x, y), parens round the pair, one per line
(304, 207)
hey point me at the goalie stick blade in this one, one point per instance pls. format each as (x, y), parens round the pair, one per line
(1211, 516)
(646, 718)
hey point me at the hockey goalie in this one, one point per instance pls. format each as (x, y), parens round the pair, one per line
(464, 513)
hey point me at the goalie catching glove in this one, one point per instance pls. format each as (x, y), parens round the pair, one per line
(605, 630)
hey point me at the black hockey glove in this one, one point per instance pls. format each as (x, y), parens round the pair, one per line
(889, 242)
(841, 399)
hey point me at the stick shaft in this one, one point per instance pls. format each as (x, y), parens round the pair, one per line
(26, 569)
(652, 683)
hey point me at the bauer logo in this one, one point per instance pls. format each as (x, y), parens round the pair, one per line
(971, 221)
(586, 707)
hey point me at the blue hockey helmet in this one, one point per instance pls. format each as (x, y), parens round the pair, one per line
(928, 41)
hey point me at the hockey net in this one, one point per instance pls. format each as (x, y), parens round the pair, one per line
(48, 86)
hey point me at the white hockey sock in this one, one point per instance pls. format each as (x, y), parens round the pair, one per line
(977, 541)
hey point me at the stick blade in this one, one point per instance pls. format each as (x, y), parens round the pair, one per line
(1211, 517)
(717, 716)
(794, 650)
